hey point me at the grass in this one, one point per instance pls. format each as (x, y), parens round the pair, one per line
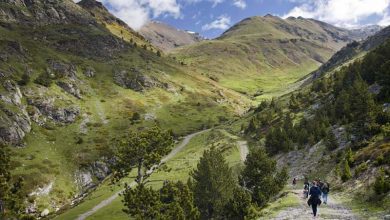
(286, 200)
(180, 166)
(55, 153)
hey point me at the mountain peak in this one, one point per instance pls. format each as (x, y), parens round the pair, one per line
(90, 4)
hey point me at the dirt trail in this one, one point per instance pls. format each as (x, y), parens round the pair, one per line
(108, 201)
(333, 210)
(244, 151)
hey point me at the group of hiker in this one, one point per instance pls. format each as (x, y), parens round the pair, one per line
(316, 190)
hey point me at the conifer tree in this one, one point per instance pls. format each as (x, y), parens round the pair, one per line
(213, 184)
(261, 177)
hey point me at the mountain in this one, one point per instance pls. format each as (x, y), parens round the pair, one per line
(166, 37)
(260, 56)
(364, 32)
(114, 24)
(333, 129)
(351, 51)
(73, 78)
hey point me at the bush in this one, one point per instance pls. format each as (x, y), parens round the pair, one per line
(360, 169)
(24, 80)
(382, 183)
(346, 173)
(44, 79)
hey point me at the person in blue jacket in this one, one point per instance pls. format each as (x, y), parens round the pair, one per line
(314, 199)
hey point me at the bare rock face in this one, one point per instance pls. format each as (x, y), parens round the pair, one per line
(61, 69)
(14, 120)
(89, 72)
(47, 108)
(43, 12)
(70, 88)
(135, 80)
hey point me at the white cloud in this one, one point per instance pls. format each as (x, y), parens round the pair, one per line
(222, 22)
(385, 20)
(136, 13)
(344, 13)
(214, 2)
(239, 3)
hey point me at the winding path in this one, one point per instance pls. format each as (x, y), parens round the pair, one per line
(109, 200)
(333, 210)
(244, 151)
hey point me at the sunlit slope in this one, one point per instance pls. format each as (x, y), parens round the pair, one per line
(261, 56)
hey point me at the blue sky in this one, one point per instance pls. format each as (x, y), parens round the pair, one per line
(212, 17)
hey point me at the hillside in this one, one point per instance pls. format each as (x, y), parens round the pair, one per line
(260, 56)
(333, 129)
(166, 37)
(350, 52)
(69, 87)
(97, 123)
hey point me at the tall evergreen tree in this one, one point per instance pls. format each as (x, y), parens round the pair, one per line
(142, 151)
(261, 177)
(213, 184)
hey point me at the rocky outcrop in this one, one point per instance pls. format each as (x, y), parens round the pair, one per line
(14, 120)
(43, 12)
(61, 69)
(70, 88)
(135, 80)
(47, 107)
(89, 72)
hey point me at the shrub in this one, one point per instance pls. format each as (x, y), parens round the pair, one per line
(382, 183)
(44, 79)
(346, 173)
(24, 80)
(360, 169)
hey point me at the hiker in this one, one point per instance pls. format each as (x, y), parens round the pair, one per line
(314, 199)
(306, 187)
(294, 182)
(325, 191)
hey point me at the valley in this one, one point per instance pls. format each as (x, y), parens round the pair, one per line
(294, 96)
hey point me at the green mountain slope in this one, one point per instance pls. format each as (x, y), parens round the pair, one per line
(260, 56)
(335, 129)
(69, 86)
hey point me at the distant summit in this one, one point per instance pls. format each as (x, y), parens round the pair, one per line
(166, 37)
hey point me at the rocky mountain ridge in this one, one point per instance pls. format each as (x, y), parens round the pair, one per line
(167, 37)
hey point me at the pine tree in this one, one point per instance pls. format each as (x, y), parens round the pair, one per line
(239, 206)
(331, 141)
(213, 184)
(261, 177)
(172, 201)
(346, 173)
(5, 178)
(142, 151)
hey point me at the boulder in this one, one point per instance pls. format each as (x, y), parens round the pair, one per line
(45, 212)
(61, 69)
(70, 88)
(89, 72)
(46, 107)
(14, 120)
(135, 80)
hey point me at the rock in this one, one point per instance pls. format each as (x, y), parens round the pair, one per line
(61, 69)
(14, 120)
(387, 217)
(53, 13)
(45, 212)
(70, 88)
(100, 170)
(89, 72)
(83, 179)
(46, 107)
(43, 191)
(135, 80)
